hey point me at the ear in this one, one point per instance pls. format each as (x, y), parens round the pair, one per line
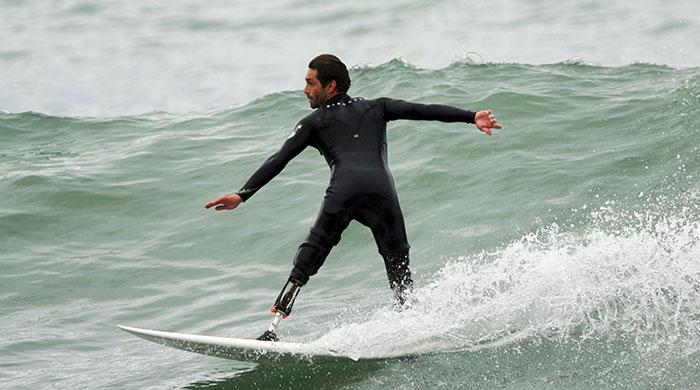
(331, 87)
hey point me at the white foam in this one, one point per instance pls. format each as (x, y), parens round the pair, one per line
(633, 273)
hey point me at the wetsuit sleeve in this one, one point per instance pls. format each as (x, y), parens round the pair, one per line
(295, 143)
(400, 109)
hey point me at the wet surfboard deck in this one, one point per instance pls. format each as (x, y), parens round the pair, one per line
(243, 349)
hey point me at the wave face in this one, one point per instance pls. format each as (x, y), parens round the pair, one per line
(106, 59)
(562, 252)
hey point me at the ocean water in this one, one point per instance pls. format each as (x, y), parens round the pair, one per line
(561, 253)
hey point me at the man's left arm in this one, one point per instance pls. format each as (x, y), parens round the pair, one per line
(400, 109)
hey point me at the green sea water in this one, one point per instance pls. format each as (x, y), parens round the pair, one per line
(562, 252)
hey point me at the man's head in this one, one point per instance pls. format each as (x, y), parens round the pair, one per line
(327, 76)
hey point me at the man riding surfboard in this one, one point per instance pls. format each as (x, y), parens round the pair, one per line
(350, 132)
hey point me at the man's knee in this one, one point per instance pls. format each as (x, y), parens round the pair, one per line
(311, 255)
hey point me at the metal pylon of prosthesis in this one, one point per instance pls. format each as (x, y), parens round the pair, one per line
(282, 307)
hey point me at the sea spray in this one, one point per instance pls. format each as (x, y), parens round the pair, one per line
(631, 275)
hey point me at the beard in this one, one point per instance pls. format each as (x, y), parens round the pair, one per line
(316, 101)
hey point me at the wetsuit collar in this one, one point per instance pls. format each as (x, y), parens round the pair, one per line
(337, 98)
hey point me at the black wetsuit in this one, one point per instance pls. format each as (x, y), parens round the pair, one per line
(351, 135)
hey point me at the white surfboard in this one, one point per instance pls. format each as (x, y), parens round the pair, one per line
(239, 349)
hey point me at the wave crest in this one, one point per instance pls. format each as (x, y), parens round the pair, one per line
(632, 275)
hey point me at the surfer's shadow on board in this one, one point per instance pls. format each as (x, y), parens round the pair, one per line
(302, 374)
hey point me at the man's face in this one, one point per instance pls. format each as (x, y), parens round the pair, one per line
(315, 92)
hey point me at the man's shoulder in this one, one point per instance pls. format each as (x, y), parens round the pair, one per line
(317, 116)
(385, 99)
(311, 119)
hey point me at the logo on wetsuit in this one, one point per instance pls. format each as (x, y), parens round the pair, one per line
(294, 132)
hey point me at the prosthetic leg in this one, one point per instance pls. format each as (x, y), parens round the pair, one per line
(282, 308)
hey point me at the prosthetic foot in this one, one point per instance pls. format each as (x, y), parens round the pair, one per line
(282, 308)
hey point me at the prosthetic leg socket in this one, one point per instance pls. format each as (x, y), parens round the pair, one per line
(282, 308)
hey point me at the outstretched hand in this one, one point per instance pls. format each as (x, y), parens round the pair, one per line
(486, 122)
(226, 202)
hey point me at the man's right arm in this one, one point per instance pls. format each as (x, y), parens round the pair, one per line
(295, 143)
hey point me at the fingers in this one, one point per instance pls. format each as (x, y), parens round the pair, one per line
(226, 202)
(226, 206)
(490, 117)
(223, 206)
(488, 122)
(212, 203)
(220, 202)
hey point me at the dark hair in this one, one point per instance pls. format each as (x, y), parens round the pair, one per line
(330, 67)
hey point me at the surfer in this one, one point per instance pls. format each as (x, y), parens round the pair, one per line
(350, 132)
